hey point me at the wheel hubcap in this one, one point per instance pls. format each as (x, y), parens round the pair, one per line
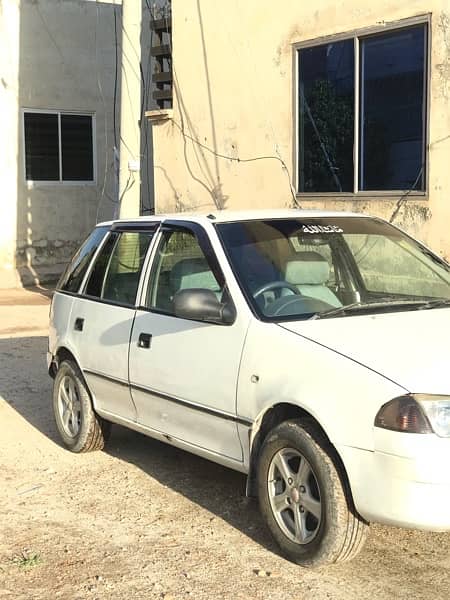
(69, 406)
(294, 495)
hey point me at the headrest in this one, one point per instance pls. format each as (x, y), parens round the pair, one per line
(307, 268)
(192, 273)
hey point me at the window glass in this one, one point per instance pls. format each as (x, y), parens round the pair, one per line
(73, 275)
(392, 102)
(390, 107)
(323, 249)
(122, 279)
(332, 266)
(76, 148)
(51, 136)
(326, 117)
(393, 266)
(94, 284)
(179, 265)
(41, 147)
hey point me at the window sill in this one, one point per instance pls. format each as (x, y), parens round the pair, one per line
(31, 184)
(343, 196)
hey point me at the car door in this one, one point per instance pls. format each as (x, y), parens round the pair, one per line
(102, 318)
(183, 373)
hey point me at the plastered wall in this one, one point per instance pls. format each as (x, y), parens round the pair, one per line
(234, 95)
(57, 55)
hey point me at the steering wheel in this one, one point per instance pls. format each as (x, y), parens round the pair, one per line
(274, 285)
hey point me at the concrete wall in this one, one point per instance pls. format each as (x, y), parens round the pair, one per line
(55, 54)
(234, 94)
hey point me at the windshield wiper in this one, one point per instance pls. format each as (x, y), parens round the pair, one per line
(435, 303)
(384, 302)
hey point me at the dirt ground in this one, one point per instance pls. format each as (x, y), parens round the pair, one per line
(144, 520)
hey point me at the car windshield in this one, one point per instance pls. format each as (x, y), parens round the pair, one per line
(330, 267)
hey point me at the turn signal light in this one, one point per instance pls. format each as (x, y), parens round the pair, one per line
(403, 414)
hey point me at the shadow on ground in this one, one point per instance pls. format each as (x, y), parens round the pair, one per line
(219, 490)
(24, 383)
(26, 387)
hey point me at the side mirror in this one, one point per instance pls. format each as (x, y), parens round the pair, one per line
(199, 304)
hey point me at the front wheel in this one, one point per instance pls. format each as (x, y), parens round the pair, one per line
(305, 499)
(80, 428)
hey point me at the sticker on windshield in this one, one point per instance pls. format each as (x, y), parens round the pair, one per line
(322, 229)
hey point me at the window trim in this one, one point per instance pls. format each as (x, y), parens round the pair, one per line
(119, 230)
(356, 34)
(60, 182)
(148, 271)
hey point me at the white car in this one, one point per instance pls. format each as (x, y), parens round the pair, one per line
(307, 349)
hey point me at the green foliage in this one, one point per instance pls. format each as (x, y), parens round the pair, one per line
(333, 116)
(27, 560)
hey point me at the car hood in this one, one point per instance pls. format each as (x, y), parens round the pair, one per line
(410, 348)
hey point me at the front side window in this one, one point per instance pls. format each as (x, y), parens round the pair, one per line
(180, 264)
(336, 266)
(58, 146)
(370, 138)
(117, 269)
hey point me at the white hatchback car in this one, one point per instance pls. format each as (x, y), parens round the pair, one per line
(306, 349)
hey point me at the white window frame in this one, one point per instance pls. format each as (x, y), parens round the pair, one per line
(356, 34)
(59, 113)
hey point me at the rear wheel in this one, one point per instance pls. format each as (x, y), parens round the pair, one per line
(80, 428)
(305, 499)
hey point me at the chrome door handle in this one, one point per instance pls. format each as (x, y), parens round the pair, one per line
(145, 340)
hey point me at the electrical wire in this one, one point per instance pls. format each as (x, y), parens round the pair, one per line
(403, 198)
(210, 150)
(129, 184)
(145, 125)
(235, 158)
(116, 47)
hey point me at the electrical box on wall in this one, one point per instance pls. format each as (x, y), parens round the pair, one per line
(134, 166)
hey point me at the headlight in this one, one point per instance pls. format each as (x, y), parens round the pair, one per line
(416, 413)
(437, 409)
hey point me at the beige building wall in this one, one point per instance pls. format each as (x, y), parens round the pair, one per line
(234, 85)
(9, 51)
(55, 55)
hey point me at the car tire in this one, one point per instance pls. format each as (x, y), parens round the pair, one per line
(80, 428)
(305, 498)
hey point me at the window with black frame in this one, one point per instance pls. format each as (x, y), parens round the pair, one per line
(366, 138)
(58, 146)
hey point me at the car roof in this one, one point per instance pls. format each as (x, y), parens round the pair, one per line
(230, 216)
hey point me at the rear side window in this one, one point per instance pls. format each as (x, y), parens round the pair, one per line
(117, 269)
(73, 275)
(95, 282)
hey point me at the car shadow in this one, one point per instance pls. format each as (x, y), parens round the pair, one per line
(26, 387)
(24, 383)
(219, 490)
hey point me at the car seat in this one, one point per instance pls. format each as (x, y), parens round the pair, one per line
(309, 272)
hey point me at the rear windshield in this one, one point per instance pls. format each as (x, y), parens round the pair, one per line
(72, 277)
(297, 269)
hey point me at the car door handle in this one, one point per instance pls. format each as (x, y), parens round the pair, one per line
(79, 323)
(145, 340)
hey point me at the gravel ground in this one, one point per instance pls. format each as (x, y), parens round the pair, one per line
(144, 520)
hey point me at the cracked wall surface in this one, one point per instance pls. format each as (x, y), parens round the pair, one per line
(55, 55)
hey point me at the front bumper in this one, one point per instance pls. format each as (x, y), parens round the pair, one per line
(405, 481)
